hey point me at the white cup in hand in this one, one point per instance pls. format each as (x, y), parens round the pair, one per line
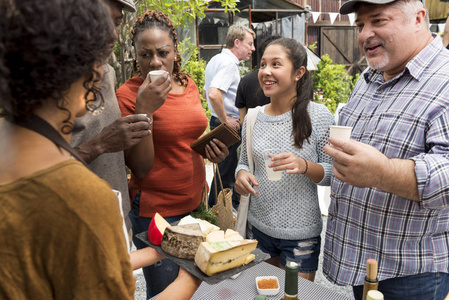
(155, 74)
(272, 175)
(342, 132)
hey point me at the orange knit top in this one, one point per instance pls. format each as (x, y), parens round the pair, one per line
(175, 183)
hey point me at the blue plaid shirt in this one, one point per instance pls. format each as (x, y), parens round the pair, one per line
(408, 118)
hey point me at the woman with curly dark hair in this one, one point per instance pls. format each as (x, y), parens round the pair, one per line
(174, 185)
(61, 230)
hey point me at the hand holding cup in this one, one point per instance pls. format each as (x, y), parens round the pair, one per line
(155, 74)
(342, 132)
(272, 175)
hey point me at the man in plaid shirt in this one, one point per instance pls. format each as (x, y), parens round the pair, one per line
(390, 189)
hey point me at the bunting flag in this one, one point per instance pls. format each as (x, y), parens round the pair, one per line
(351, 19)
(333, 16)
(315, 15)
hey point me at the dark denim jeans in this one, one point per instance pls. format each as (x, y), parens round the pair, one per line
(227, 169)
(161, 274)
(425, 286)
(305, 252)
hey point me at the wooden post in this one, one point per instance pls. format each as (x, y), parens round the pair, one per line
(197, 38)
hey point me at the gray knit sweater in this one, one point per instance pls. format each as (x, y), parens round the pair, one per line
(288, 208)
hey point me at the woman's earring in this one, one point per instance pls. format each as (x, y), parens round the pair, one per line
(296, 78)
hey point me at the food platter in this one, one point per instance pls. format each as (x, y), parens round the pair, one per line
(189, 265)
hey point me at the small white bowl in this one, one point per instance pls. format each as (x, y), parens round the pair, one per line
(267, 292)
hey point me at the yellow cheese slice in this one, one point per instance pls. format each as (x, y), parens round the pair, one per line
(214, 257)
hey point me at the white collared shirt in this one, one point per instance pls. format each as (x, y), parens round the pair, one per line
(222, 72)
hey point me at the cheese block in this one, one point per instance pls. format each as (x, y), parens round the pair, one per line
(206, 227)
(237, 237)
(182, 241)
(156, 229)
(229, 232)
(215, 236)
(214, 257)
(220, 235)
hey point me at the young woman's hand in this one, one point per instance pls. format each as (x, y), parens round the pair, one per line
(243, 183)
(288, 162)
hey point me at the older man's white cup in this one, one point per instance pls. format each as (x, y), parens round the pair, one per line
(343, 132)
(155, 74)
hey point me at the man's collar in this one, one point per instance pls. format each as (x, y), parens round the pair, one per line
(231, 54)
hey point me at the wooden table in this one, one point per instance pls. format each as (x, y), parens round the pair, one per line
(244, 287)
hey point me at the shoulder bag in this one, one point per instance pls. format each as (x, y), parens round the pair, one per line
(242, 214)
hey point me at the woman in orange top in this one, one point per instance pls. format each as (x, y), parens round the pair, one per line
(174, 185)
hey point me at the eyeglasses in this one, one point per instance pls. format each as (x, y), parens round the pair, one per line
(249, 43)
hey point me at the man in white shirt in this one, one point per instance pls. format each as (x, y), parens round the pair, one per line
(222, 78)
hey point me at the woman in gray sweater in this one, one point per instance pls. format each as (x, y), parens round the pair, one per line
(285, 213)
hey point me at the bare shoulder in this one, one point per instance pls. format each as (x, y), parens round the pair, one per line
(25, 152)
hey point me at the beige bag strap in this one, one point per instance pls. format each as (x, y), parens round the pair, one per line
(251, 117)
(242, 214)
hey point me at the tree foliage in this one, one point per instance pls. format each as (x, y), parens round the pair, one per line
(195, 68)
(331, 84)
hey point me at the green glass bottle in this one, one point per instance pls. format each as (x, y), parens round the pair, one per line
(291, 281)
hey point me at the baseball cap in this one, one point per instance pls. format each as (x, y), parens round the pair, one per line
(352, 5)
(128, 5)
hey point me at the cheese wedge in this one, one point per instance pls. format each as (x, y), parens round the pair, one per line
(214, 257)
(215, 236)
(237, 237)
(182, 241)
(230, 232)
(206, 227)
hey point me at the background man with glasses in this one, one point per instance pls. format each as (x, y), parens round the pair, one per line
(221, 81)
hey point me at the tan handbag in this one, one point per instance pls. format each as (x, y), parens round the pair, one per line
(223, 208)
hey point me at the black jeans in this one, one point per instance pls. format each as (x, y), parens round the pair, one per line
(227, 169)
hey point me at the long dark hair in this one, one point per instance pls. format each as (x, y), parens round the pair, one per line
(302, 125)
(47, 45)
(157, 19)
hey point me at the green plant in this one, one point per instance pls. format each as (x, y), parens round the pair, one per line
(205, 214)
(244, 68)
(184, 12)
(195, 68)
(331, 84)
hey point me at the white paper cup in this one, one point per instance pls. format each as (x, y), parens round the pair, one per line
(154, 75)
(272, 175)
(342, 132)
